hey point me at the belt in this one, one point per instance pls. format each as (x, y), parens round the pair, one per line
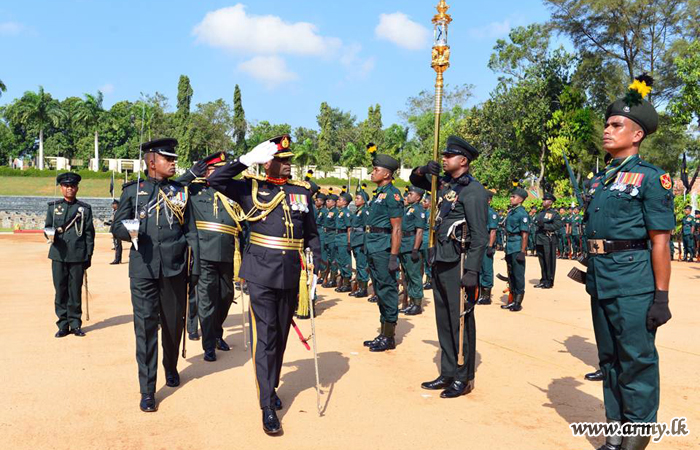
(378, 230)
(276, 242)
(329, 230)
(358, 229)
(217, 227)
(604, 246)
(408, 233)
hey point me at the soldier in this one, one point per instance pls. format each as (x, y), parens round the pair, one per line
(343, 239)
(217, 218)
(425, 203)
(687, 233)
(486, 275)
(72, 245)
(549, 223)
(532, 238)
(330, 231)
(561, 234)
(460, 243)
(575, 224)
(383, 242)
(282, 225)
(357, 241)
(158, 263)
(320, 215)
(117, 243)
(412, 228)
(517, 230)
(631, 207)
(696, 233)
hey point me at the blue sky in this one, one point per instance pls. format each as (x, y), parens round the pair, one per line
(287, 56)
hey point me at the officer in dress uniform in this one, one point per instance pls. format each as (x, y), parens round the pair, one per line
(486, 275)
(72, 245)
(383, 243)
(629, 219)
(517, 234)
(462, 215)
(158, 263)
(217, 218)
(427, 270)
(549, 223)
(282, 225)
(343, 246)
(532, 238)
(117, 243)
(688, 224)
(330, 231)
(357, 243)
(412, 231)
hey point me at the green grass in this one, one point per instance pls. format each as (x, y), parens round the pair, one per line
(44, 186)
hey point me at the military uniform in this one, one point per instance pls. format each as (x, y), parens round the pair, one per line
(70, 254)
(549, 223)
(427, 269)
(532, 237)
(517, 222)
(357, 240)
(117, 243)
(688, 223)
(330, 232)
(462, 215)
(158, 268)
(320, 215)
(414, 219)
(696, 233)
(486, 275)
(282, 225)
(576, 221)
(343, 222)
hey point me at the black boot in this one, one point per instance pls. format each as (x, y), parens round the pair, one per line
(373, 299)
(595, 376)
(386, 339)
(361, 290)
(373, 341)
(333, 280)
(485, 297)
(427, 286)
(271, 424)
(344, 286)
(415, 307)
(517, 303)
(148, 403)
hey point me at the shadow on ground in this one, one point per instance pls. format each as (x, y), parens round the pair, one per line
(111, 322)
(580, 348)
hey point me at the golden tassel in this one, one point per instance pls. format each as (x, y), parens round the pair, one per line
(303, 307)
(236, 259)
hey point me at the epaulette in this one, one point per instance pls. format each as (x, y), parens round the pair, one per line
(651, 166)
(55, 202)
(87, 205)
(304, 184)
(199, 180)
(252, 176)
(128, 183)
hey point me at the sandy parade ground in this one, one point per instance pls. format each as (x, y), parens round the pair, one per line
(82, 393)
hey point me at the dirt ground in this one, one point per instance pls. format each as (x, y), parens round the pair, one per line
(82, 393)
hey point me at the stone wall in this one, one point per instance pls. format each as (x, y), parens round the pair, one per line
(29, 213)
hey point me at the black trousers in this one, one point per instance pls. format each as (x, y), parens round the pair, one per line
(155, 301)
(271, 312)
(446, 289)
(117, 249)
(215, 291)
(68, 281)
(547, 256)
(192, 310)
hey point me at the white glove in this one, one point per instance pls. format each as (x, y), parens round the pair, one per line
(261, 154)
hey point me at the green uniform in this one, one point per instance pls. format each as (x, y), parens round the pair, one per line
(70, 253)
(320, 216)
(330, 232)
(576, 221)
(517, 221)
(687, 233)
(388, 205)
(532, 238)
(549, 223)
(358, 222)
(343, 220)
(424, 250)
(486, 275)
(414, 219)
(626, 203)
(158, 269)
(696, 233)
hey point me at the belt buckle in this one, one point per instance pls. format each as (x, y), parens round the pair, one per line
(596, 246)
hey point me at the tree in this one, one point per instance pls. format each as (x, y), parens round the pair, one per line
(686, 105)
(3, 88)
(240, 125)
(353, 156)
(38, 110)
(305, 155)
(89, 114)
(371, 129)
(337, 129)
(210, 129)
(265, 130)
(182, 117)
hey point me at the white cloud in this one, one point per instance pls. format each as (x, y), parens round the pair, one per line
(496, 29)
(10, 28)
(357, 67)
(269, 70)
(402, 31)
(107, 88)
(233, 29)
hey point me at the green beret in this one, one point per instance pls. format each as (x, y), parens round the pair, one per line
(321, 196)
(68, 178)
(644, 114)
(385, 161)
(549, 196)
(332, 197)
(347, 197)
(520, 192)
(417, 190)
(458, 146)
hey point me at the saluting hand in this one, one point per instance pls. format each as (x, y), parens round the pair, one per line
(261, 154)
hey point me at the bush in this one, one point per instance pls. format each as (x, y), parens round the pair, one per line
(85, 174)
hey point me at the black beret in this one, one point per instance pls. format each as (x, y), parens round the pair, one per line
(347, 197)
(363, 194)
(115, 202)
(417, 190)
(321, 196)
(165, 147)
(643, 114)
(68, 178)
(386, 162)
(549, 196)
(458, 146)
(688, 207)
(332, 197)
(520, 192)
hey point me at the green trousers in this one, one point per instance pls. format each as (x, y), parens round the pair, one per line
(68, 283)
(576, 244)
(412, 272)
(426, 267)
(628, 357)
(446, 289)
(324, 254)
(360, 263)
(516, 274)
(688, 246)
(331, 253)
(385, 287)
(215, 292)
(344, 260)
(486, 274)
(157, 301)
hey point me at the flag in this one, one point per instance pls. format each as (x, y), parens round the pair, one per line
(111, 186)
(684, 172)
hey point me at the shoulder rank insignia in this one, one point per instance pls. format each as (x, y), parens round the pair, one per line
(451, 196)
(397, 197)
(666, 182)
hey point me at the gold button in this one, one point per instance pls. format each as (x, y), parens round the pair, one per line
(284, 252)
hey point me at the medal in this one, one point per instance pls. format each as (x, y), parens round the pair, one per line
(295, 207)
(634, 192)
(142, 214)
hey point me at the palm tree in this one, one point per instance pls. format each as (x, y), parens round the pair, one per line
(3, 88)
(305, 155)
(39, 110)
(89, 114)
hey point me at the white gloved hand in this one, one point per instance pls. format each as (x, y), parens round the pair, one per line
(261, 154)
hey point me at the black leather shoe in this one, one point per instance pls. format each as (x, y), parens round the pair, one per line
(607, 446)
(372, 299)
(595, 376)
(78, 332)
(344, 288)
(276, 402)
(271, 424)
(484, 301)
(427, 286)
(507, 306)
(115, 262)
(194, 336)
(383, 344)
(61, 333)
(372, 342)
(456, 389)
(210, 355)
(148, 403)
(361, 293)
(222, 345)
(438, 383)
(172, 379)
(539, 285)
(413, 310)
